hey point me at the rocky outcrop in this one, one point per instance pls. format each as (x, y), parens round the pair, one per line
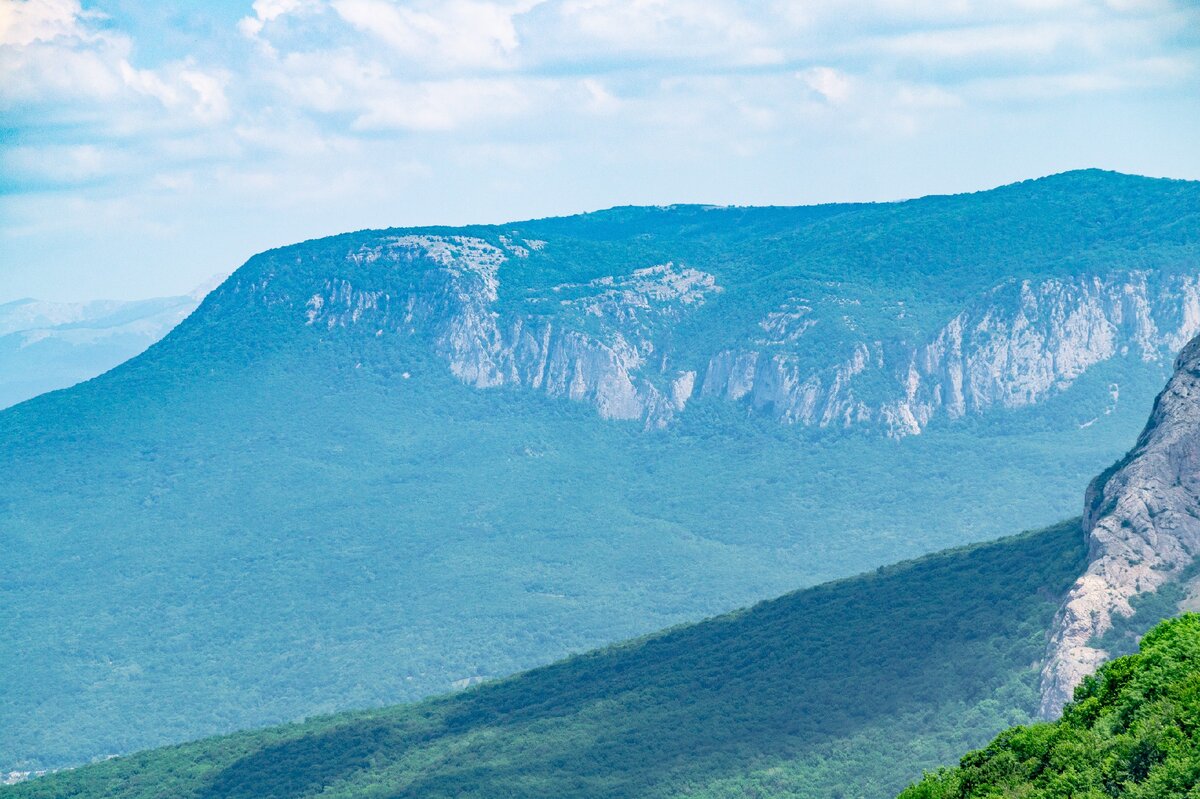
(609, 341)
(1142, 519)
(1013, 347)
(775, 383)
(596, 342)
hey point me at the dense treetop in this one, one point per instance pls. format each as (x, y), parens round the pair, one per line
(1133, 731)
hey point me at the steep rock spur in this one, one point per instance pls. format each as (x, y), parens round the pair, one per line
(1142, 518)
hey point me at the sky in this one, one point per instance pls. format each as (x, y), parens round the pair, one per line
(148, 146)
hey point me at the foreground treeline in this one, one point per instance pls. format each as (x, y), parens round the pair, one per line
(1133, 731)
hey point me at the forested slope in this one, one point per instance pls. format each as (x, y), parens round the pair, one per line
(848, 689)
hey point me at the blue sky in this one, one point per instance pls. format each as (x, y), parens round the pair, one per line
(146, 146)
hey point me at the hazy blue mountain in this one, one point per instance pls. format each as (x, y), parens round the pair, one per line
(850, 689)
(380, 465)
(50, 345)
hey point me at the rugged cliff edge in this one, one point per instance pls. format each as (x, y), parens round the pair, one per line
(1013, 346)
(611, 341)
(1142, 518)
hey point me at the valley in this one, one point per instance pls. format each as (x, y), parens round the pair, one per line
(849, 688)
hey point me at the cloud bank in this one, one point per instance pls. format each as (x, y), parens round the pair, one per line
(220, 132)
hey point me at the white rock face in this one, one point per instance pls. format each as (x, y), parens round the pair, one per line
(595, 342)
(1013, 347)
(607, 342)
(1143, 526)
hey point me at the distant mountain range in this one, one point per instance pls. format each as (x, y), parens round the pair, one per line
(386, 464)
(46, 346)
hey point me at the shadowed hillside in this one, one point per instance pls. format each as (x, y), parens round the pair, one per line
(847, 689)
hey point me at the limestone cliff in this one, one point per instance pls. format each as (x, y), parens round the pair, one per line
(1142, 518)
(596, 342)
(1014, 346)
(610, 341)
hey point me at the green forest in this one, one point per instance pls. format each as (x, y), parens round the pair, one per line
(846, 690)
(1132, 732)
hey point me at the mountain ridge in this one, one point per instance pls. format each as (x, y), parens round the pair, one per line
(494, 339)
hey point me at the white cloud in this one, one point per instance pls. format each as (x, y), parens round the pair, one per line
(63, 164)
(210, 103)
(441, 105)
(599, 100)
(38, 73)
(1125, 76)
(23, 22)
(441, 36)
(831, 84)
(266, 11)
(180, 87)
(48, 50)
(53, 55)
(603, 30)
(588, 101)
(340, 83)
(442, 66)
(1029, 41)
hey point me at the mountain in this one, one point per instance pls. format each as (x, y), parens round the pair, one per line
(1130, 732)
(386, 464)
(848, 689)
(51, 345)
(837, 316)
